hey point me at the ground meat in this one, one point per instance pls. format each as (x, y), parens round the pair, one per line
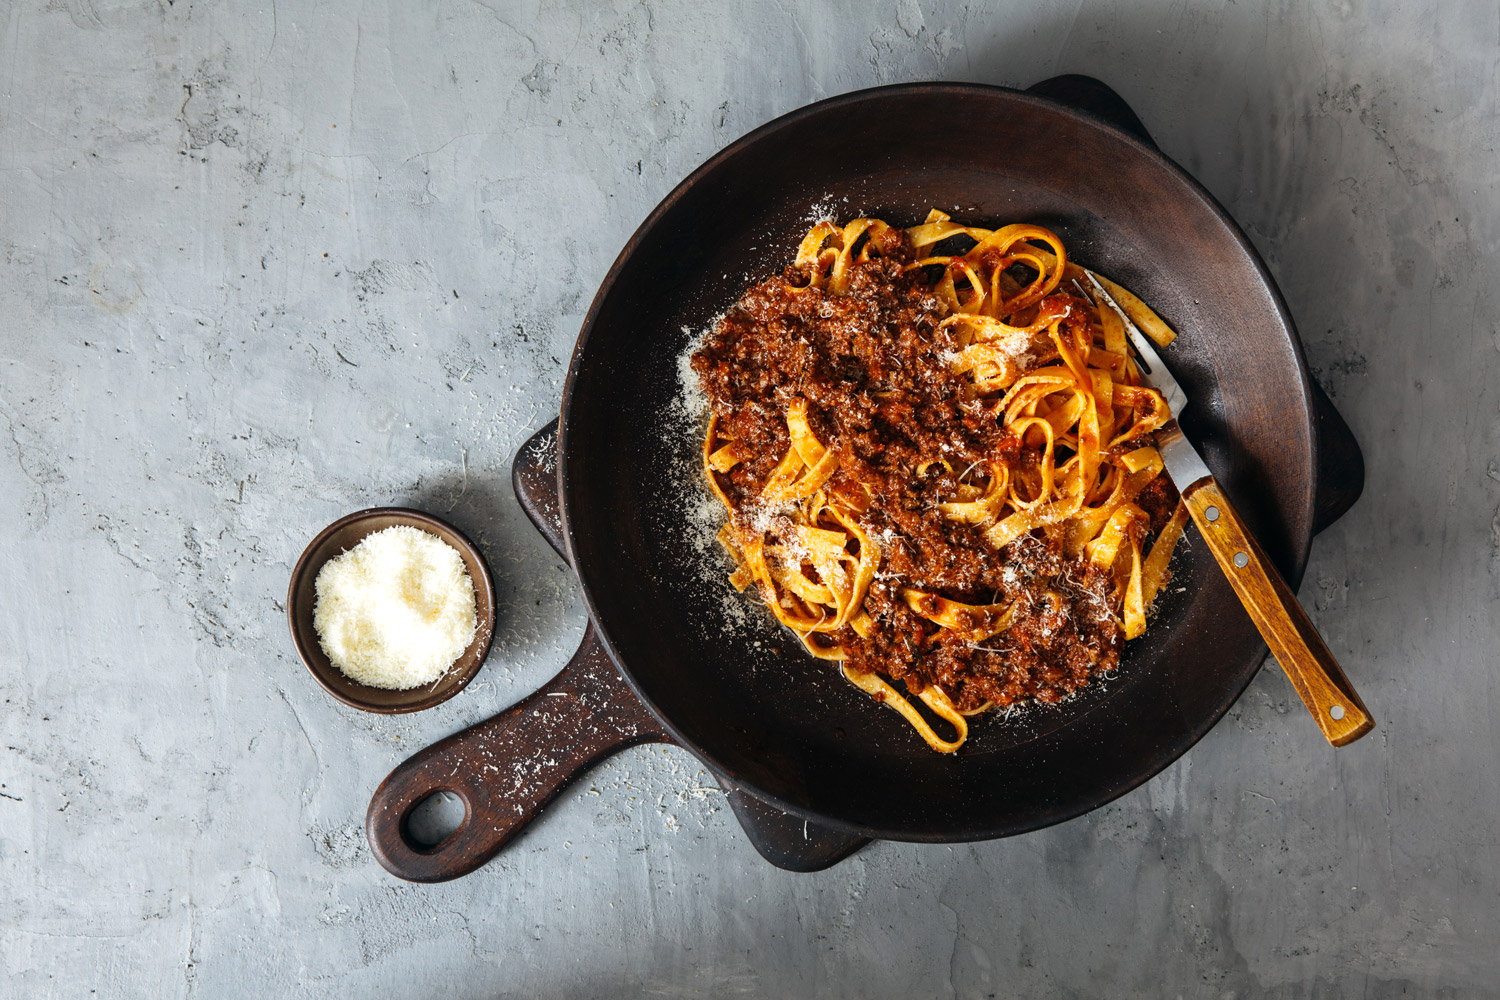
(873, 367)
(1158, 500)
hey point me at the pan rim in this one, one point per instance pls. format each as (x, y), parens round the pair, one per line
(1174, 749)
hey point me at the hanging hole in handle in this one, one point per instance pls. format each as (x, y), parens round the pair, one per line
(434, 820)
(1337, 712)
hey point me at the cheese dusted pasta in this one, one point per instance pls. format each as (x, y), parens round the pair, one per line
(935, 453)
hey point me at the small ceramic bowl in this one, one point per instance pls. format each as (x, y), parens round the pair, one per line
(344, 534)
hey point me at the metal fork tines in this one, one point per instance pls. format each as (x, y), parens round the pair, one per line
(1159, 377)
(1183, 463)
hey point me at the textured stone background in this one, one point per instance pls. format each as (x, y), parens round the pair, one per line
(263, 264)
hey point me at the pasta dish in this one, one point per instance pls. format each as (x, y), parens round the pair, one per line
(935, 453)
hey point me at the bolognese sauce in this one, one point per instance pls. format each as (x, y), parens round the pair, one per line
(870, 367)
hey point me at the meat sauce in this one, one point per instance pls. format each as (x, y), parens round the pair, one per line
(871, 364)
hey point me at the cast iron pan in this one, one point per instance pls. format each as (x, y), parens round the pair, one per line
(812, 766)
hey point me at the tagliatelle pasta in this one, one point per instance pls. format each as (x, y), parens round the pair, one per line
(936, 456)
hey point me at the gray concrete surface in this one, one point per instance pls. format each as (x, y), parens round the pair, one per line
(265, 263)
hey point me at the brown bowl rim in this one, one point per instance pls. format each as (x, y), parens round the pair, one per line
(304, 573)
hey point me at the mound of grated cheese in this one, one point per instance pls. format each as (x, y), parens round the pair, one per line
(396, 610)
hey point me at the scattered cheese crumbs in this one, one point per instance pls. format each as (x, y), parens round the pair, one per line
(396, 610)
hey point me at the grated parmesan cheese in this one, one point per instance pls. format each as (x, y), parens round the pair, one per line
(396, 610)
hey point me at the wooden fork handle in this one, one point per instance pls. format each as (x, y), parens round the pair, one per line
(1293, 638)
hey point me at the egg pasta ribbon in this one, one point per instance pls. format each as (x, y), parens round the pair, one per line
(1035, 355)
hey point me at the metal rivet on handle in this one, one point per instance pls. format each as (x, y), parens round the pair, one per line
(1337, 712)
(1240, 559)
(1212, 513)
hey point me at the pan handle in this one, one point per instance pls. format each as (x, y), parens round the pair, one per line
(1084, 93)
(507, 768)
(1341, 465)
(786, 840)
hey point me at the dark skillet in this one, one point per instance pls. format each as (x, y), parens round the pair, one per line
(784, 724)
(763, 716)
